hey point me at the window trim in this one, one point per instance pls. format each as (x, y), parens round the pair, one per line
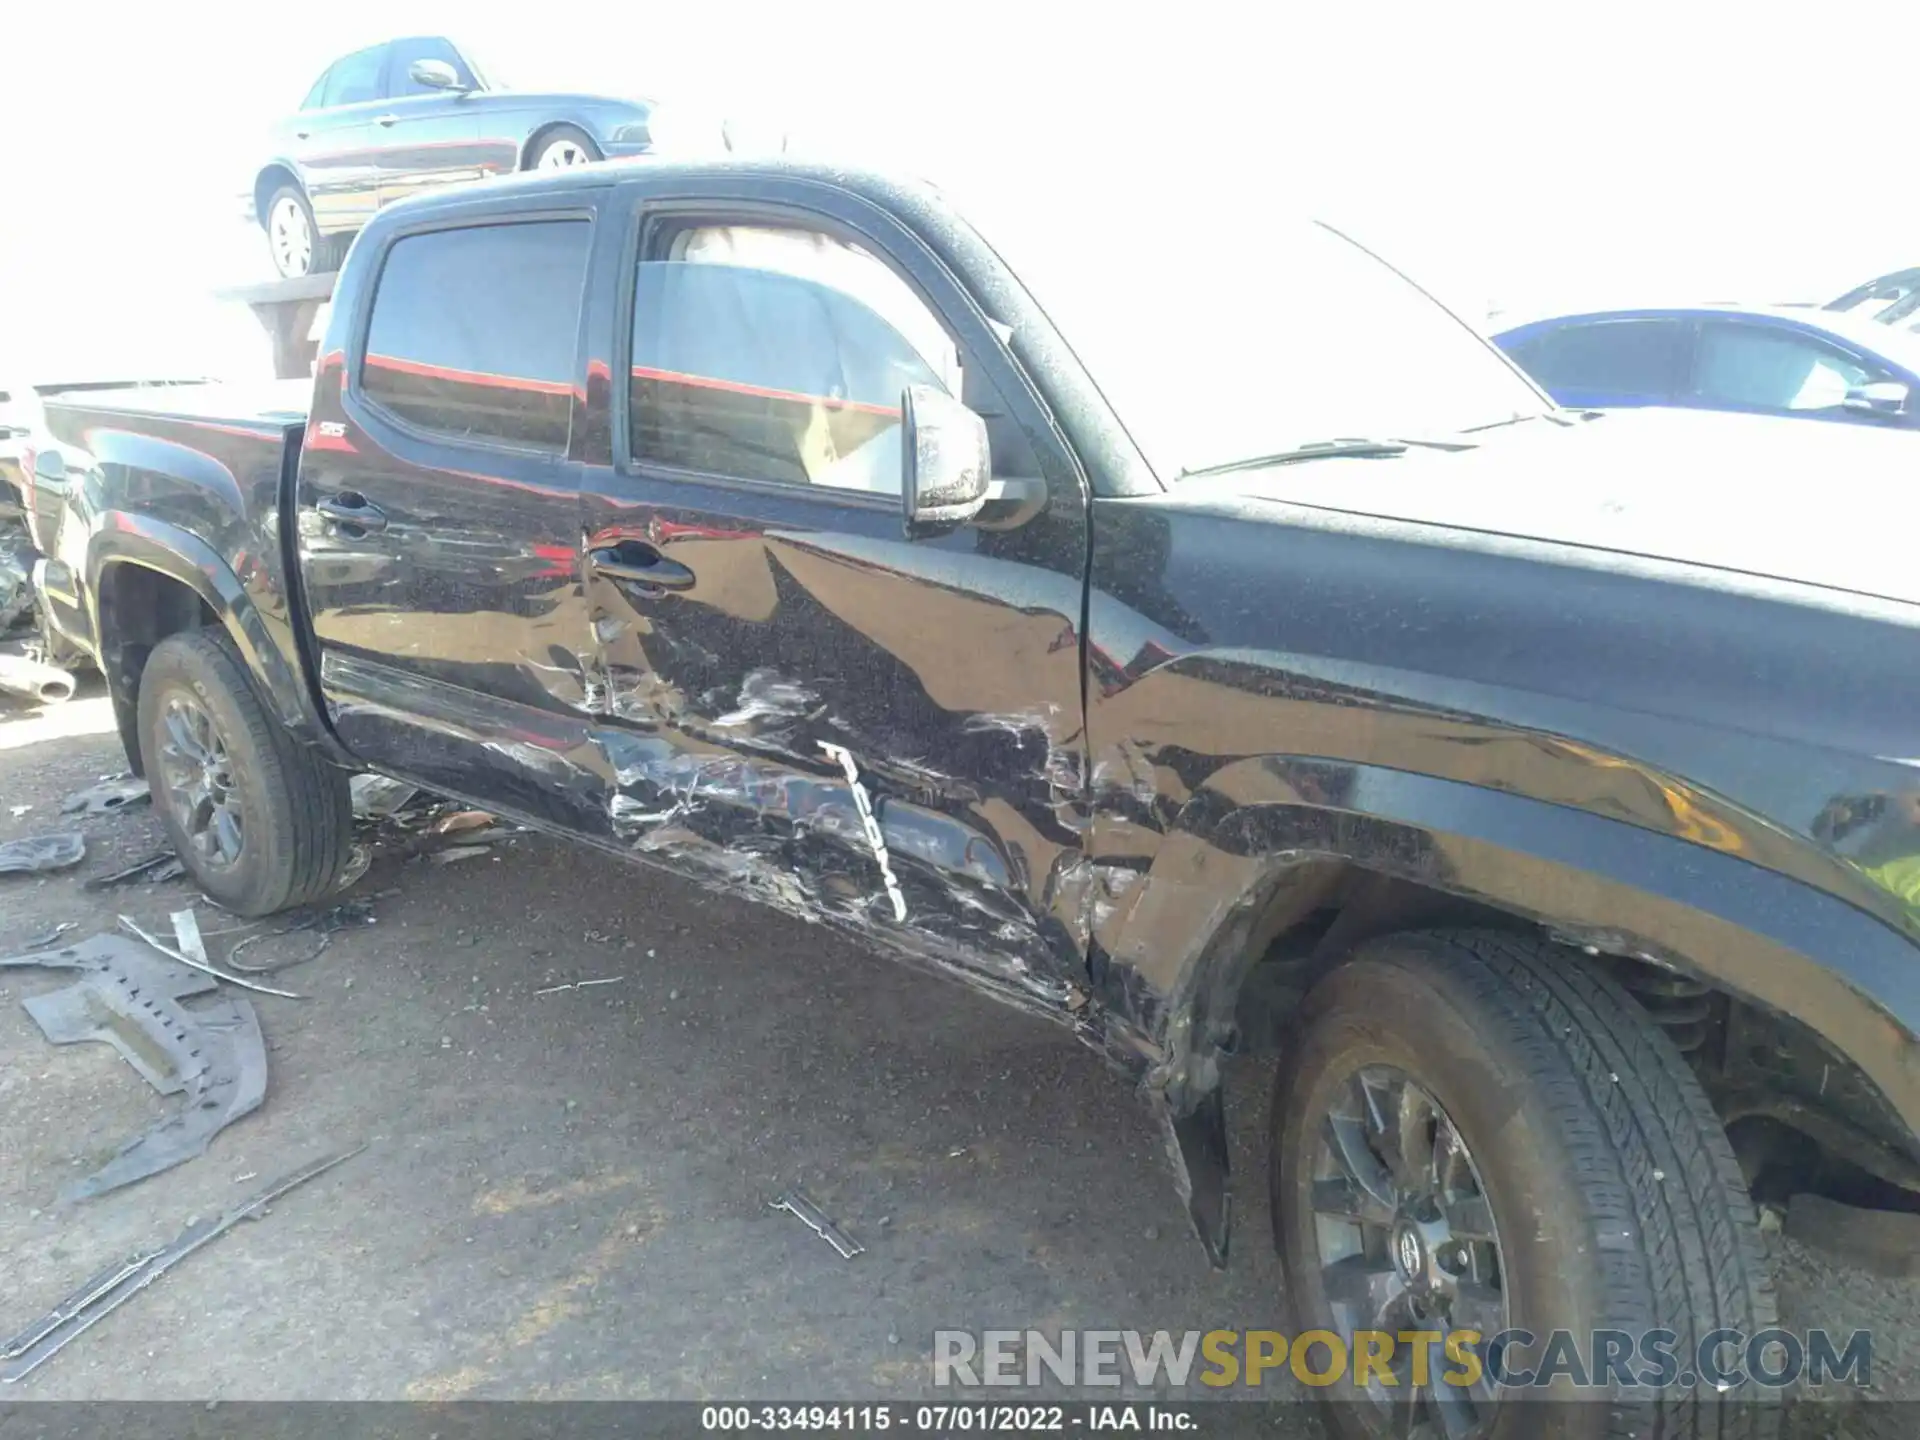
(363, 326)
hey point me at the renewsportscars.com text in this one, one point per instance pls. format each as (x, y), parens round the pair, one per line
(1720, 1360)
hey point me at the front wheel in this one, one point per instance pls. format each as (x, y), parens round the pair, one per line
(260, 821)
(563, 147)
(1478, 1132)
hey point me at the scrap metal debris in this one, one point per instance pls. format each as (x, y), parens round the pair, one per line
(326, 923)
(456, 821)
(131, 999)
(107, 1291)
(115, 793)
(52, 937)
(457, 852)
(580, 985)
(816, 1219)
(41, 852)
(380, 795)
(203, 967)
(151, 867)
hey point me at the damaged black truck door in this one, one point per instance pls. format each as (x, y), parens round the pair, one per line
(802, 704)
(438, 508)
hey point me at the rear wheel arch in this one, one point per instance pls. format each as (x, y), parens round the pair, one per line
(139, 606)
(267, 182)
(530, 151)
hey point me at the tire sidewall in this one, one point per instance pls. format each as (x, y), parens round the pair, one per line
(177, 670)
(314, 242)
(564, 133)
(1377, 1010)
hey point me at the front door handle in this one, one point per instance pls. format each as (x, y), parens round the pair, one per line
(350, 508)
(385, 119)
(640, 563)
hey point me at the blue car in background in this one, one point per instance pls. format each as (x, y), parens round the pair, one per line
(1810, 364)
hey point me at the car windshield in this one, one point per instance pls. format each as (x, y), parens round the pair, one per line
(1255, 339)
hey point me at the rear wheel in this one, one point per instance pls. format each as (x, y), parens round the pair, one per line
(292, 237)
(1477, 1131)
(563, 147)
(260, 821)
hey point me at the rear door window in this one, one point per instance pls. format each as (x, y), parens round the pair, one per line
(1644, 359)
(475, 332)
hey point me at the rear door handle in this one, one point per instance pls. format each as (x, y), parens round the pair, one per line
(385, 119)
(353, 509)
(640, 563)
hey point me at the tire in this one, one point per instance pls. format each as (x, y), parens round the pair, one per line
(561, 147)
(295, 818)
(293, 239)
(1615, 1199)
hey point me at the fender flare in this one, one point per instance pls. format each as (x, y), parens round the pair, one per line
(126, 538)
(1176, 952)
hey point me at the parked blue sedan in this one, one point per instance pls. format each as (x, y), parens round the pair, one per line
(1811, 364)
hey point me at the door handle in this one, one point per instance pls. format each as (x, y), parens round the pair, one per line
(640, 563)
(351, 508)
(303, 134)
(385, 119)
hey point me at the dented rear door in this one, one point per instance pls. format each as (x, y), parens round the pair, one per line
(800, 704)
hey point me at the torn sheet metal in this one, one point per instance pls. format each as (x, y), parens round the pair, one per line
(107, 1291)
(105, 797)
(378, 795)
(41, 852)
(130, 998)
(817, 1220)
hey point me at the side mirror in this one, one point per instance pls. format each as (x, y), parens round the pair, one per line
(945, 473)
(1887, 398)
(436, 73)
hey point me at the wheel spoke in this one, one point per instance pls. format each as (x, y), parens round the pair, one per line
(1342, 1197)
(1409, 1150)
(1469, 1218)
(1347, 1138)
(226, 832)
(1478, 1306)
(1357, 1285)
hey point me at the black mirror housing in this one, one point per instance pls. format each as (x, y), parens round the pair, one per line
(945, 471)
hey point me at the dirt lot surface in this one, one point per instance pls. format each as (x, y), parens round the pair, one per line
(566, 1195)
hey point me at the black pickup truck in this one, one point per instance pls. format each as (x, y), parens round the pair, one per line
(1225, 659)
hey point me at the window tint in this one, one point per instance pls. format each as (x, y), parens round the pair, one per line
(1767, 369)
(1616, 357)
(356, 79)
(474, 331)
(779, 355)
(429, 47)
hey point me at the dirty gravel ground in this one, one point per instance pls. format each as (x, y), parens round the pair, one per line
(566, 1195)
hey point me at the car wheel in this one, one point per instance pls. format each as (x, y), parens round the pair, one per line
(563, 147)
(292, 237)
(260, 821)
(1476, 1131)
